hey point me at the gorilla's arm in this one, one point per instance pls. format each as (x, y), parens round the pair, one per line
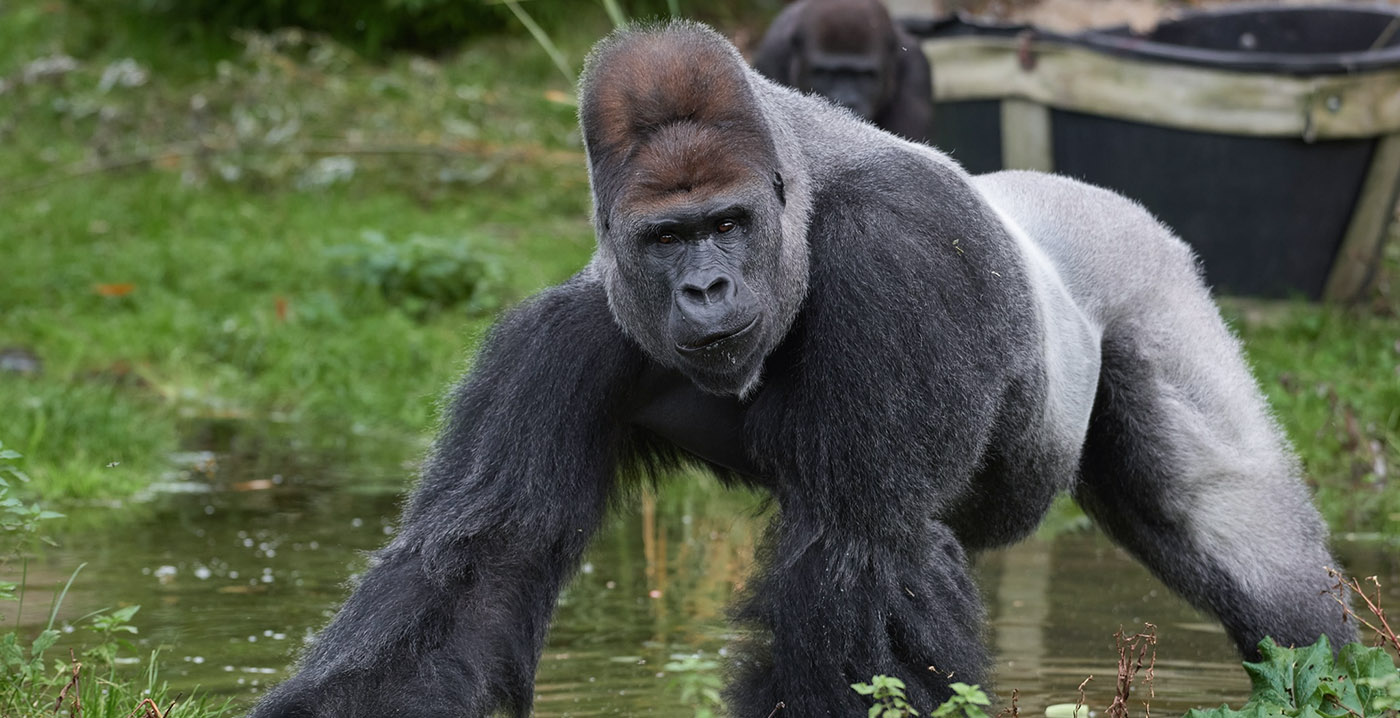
(861, 572)
(451, 617)
(909, 113)
(840, 606)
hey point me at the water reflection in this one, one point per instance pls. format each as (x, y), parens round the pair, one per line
(232, 582)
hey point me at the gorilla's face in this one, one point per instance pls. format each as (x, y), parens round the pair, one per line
(845, 52)
(855, 81)
(692, 278)
(689, 205)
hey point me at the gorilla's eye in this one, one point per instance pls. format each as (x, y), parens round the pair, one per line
(665, 238)
(725, 226)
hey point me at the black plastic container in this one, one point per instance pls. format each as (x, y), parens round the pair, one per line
(1269, 205)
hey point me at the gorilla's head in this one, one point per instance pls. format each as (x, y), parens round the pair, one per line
(689, 205)
(846, 54)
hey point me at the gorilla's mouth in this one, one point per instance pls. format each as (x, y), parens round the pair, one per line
(713, 341)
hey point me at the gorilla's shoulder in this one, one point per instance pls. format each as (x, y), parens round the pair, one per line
(575, 310)
(900, 190)
(892, 172)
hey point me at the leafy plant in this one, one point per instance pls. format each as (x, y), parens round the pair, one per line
(1307, 683)
(888, 694)
(107, 626)
(19, 522)
(26, 681)
(699, 683)
(1385, 695)
(423, 274)
(966, 701)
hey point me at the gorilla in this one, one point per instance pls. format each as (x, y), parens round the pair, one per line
(911, 361)
(850, 52)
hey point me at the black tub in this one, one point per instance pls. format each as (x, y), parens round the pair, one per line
(1268, 137)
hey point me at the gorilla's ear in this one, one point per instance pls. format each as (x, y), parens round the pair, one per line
(778, 187)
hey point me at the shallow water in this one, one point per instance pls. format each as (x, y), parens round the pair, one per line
(230, 583)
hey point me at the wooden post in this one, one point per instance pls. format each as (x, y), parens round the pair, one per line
(1025, 136)
(1359, 254)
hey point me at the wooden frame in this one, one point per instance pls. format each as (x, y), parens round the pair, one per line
(1032, 76)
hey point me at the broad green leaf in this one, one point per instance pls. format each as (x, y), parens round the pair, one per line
(1272, 676)
(1337, 697)
(1364, 666)
(43, 642)
(125, 614)
(10, 654)
(973, 694)
(1309, 711)
(1311, 665)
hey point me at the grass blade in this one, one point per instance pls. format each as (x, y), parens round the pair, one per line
(58, 600)
(542, 38)
(615, 13)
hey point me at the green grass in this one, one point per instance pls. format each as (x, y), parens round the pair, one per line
(172, 252)
(1333, 377)
(203, 280)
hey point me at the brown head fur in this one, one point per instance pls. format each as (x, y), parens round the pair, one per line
(857, 27)
(670, 110)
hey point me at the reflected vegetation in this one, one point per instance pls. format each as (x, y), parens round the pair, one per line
(232, 581)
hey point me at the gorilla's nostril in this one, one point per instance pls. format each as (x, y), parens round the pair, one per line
(694, 294)
(714, 292)
(718, 290)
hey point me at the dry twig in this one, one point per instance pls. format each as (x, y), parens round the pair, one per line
(1080, 703)
(1132, 650)
(1385, 635)
(72, 685)
(1013, 711)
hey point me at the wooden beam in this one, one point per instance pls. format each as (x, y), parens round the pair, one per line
(1025, 136)
(1359, 255)
(1074, 78)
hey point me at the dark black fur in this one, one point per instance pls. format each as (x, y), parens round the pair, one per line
(850, 52)
(891, 393)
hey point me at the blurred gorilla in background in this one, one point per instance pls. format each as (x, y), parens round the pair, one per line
(850, 52)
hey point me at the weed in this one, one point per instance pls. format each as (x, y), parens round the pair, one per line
(698, 681)
(1132, 651)
(967, 702)
(423, 274)
(29, 685)
(1307, 683)
(1378, 624)
(887, 693)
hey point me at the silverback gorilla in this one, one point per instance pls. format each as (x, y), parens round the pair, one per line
(850, 52)
(912, 361)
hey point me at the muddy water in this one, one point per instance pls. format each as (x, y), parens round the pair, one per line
(230, 582)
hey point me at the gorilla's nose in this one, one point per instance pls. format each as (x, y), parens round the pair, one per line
(706, 299)
(717, 289)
